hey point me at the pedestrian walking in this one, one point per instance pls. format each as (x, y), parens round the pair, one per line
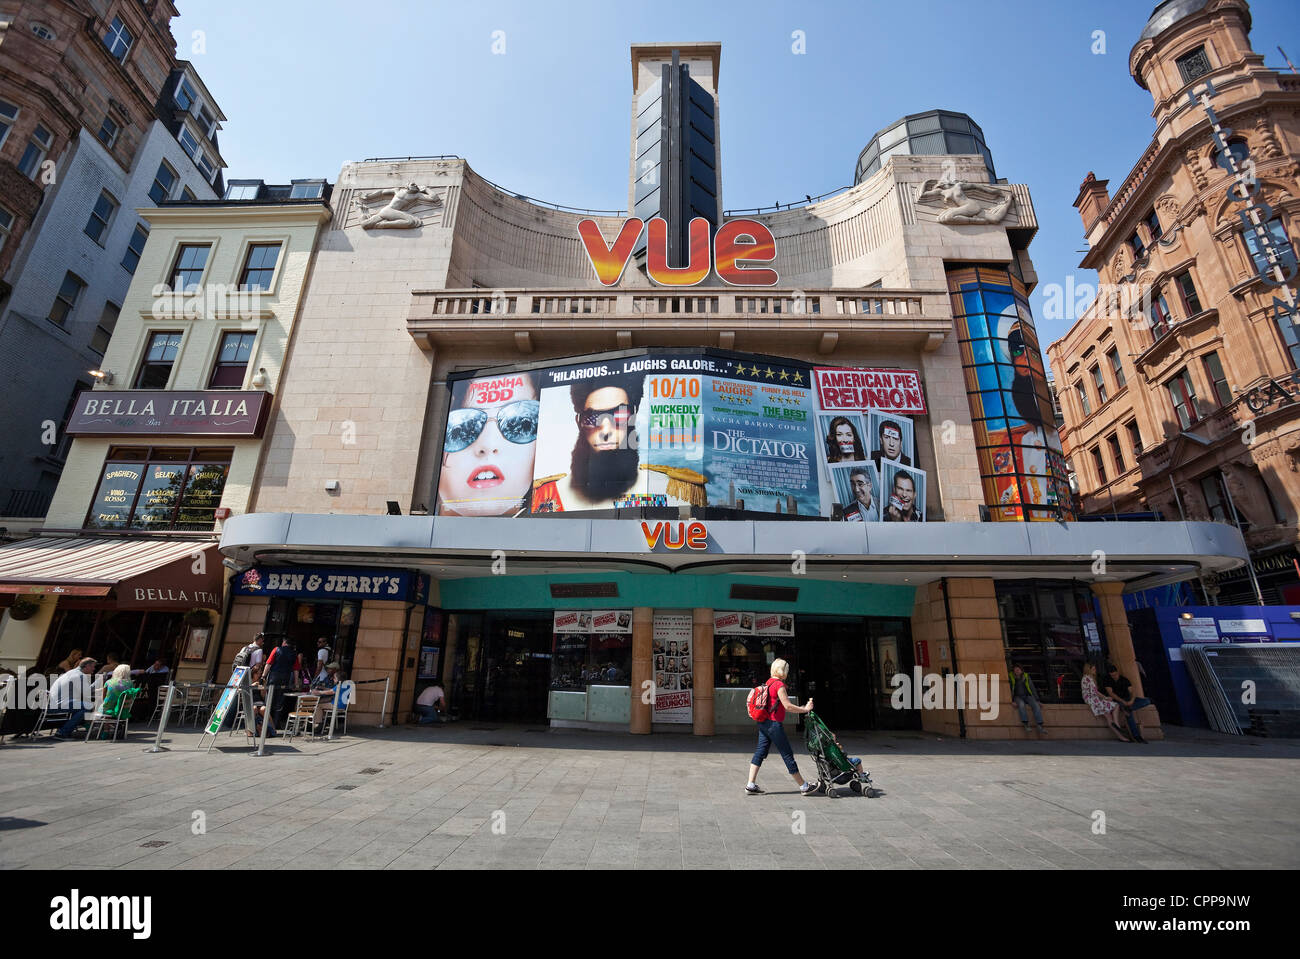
(772, 733)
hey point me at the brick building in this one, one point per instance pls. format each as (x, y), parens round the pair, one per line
(97, 119)
(1174, 384)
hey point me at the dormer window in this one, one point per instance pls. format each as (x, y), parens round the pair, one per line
(243, 189)
(185, 95)
(206, 123)
(307, 189)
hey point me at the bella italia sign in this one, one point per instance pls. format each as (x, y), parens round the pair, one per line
(1280, 266)
(169, 413)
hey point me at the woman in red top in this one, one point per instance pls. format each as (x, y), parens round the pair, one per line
(772, 733)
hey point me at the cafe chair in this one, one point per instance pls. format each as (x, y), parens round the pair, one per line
(204, 701)
(48, 715)
(118, 718)
(332, 708)
(178, 703)
(302, 716)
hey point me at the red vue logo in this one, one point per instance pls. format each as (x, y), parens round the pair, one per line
(738, 246)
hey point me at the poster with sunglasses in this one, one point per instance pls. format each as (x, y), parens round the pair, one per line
(617, 438)
(490, 446)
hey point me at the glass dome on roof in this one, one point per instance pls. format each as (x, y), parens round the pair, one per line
(934, 132)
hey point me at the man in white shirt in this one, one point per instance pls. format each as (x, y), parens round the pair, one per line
(258, 656)
(322, 656)
(431, 705)
(74, 691)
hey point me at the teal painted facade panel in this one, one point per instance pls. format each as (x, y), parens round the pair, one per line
(682, 591)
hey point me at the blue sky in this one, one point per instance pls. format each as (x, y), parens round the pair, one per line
(308, 85)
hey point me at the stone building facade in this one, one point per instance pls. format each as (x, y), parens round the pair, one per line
(1176, 383)
(429, 279)
(170, 447)
(141, 128)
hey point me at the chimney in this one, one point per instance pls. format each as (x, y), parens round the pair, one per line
(1092, 200)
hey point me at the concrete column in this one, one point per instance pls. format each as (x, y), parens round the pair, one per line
(642, 663)
(702, 658)
(1115, 622)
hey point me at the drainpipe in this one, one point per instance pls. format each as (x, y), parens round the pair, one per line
(952, 651)
(401, 659)
(225, 627)
(1236, 518)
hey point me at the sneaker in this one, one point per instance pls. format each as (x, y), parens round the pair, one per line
(1042, 730)
(1026, 727)
(1141, 740)
(807, 788)
(751, 789)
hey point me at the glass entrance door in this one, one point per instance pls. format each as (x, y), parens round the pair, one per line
(833, 669)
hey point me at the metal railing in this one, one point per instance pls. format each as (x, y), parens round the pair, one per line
(27, 503)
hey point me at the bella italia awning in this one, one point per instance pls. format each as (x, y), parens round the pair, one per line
(139, 573)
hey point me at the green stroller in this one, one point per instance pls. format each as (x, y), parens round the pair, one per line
(833, 767)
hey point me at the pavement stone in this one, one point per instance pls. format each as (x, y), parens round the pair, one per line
(578, 799)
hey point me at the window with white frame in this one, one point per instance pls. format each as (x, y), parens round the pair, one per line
(8, 115)
(189, 142)
(6, 226)
(185, 95)
(101, 216)
(307, 190)
(118, 39)
(38, 147)
(243, 189)
(206, 121)
(107, 324)
(164, 182)
(65, 301)
(108, 131)
(134, 248)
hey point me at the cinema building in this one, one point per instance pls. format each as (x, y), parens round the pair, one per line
(584, 474)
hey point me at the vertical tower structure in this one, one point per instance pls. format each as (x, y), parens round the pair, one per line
(676, 149)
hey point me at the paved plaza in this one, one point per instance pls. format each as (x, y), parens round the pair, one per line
(480, 796)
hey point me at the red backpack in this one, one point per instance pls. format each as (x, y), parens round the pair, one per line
(761, 702)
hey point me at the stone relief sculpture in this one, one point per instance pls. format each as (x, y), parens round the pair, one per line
(966, 202)
(1240, 483)
(395, 214)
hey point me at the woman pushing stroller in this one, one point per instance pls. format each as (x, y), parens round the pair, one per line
(772, 733)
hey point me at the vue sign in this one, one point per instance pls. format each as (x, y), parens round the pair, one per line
(692, 535)
(738, 242)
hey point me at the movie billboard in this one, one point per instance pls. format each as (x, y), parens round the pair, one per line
(662, 429)
(1022, 464)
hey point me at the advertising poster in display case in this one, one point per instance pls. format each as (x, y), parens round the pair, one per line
(664, 428)
(733, 623)
(489, 446)
(887, 649)
(760, 445)
(674, 668)
(866, 434)
(904, 493)
(773, 624)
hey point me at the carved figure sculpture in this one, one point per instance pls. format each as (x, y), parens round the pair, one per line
(966, 202)
(395, 214)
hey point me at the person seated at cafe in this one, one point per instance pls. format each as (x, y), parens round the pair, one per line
(115, 690)
(158, 668)
(259, 701)
(431, 705)
(328, 677)
(71, 662)
(74, 692)
(111, 662)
